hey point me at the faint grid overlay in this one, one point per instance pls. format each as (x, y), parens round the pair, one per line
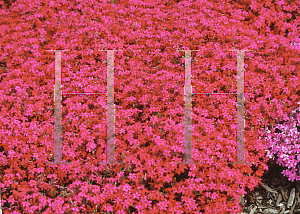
(188, 110)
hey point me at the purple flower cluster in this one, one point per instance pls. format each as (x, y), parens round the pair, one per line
(284, 145)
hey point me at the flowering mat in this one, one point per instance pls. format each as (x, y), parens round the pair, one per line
(129, 78)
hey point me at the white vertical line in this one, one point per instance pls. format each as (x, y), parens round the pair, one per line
(57, 111)
(110, 108)
(110, 149)
(188, 151)
(240, 109)
(188, 123)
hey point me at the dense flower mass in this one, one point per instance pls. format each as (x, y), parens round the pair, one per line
(284, 144)
(149, 101)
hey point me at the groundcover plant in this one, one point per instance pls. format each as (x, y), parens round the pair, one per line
(149, 100)
(284, 144)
